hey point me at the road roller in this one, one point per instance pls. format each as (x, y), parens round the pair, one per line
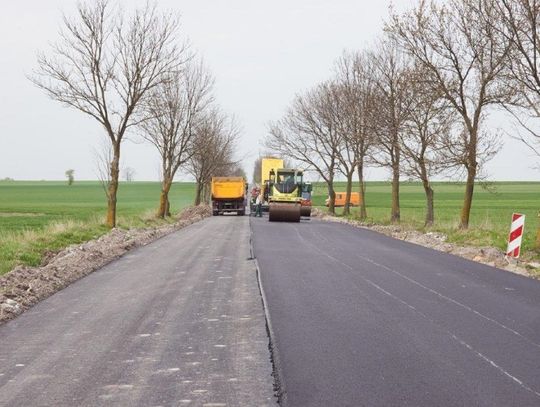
(285, 199)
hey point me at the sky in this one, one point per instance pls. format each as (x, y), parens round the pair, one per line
(261, 53)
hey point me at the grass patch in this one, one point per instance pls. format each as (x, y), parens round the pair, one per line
(43, 216)
(490, 215)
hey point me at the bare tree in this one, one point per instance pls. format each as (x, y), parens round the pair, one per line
(104, 65)
(344, 121)
(392, 98)
(172, 111)
(213, 151)
(354, 76)
(236, 170)
(70, 175)
(308, 134)
(129, 174)
(427, 132)
(521, 25)
(464, 56)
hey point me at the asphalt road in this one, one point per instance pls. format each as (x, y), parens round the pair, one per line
(177, 322)
(360, 319)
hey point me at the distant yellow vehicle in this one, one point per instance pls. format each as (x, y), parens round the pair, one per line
(340, 199)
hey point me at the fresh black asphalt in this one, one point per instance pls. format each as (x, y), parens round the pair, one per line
(176, 323)
(356, 319)
(361, 319)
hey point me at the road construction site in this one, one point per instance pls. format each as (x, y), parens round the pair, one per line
(350, 318)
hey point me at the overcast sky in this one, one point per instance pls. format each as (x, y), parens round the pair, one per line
(260, 52)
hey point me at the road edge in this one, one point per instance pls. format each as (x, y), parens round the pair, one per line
(278, 385)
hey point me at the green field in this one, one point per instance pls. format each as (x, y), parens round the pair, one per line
(38, 216)
(490, 215)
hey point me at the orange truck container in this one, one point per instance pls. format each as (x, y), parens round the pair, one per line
(228, 195)
(340, 199)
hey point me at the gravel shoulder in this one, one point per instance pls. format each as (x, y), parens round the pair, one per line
(24, 287)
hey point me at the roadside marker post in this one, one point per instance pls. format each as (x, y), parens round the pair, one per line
(516, 234)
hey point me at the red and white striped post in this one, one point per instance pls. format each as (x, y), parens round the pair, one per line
(516, 233)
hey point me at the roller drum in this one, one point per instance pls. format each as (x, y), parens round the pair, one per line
(284, 212)
(305, 211)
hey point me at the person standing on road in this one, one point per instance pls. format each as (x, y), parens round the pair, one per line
(258, 206)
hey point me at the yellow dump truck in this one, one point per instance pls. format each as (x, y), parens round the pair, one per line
(228, 195)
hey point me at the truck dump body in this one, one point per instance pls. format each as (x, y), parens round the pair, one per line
(228, 187)
(268, 164)
(228, 195)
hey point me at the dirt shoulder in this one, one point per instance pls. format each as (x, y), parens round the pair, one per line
(23, 287)
(490, 256)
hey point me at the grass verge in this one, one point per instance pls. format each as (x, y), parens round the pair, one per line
(40, 217)
(30, 247)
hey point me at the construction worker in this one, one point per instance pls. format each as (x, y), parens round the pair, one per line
(258, 205)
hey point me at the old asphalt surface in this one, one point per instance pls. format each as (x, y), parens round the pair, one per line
(360, 319)
(356, 319)
(178, 322)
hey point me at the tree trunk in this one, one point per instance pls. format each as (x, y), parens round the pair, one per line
(430, 214)
(347, 207)
(362, 191)
(198, 193)
(164, 204)
(332, 196)
(467, 201)
(395, 215)
(113, 187)
(206, 193)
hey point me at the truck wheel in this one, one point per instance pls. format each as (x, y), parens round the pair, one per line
(215, 213)
(242, 212)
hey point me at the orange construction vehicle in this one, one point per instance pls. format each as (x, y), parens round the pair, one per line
(340, 199)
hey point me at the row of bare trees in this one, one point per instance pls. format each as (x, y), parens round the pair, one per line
(188, 131)
(417, 102)
(134, 72)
